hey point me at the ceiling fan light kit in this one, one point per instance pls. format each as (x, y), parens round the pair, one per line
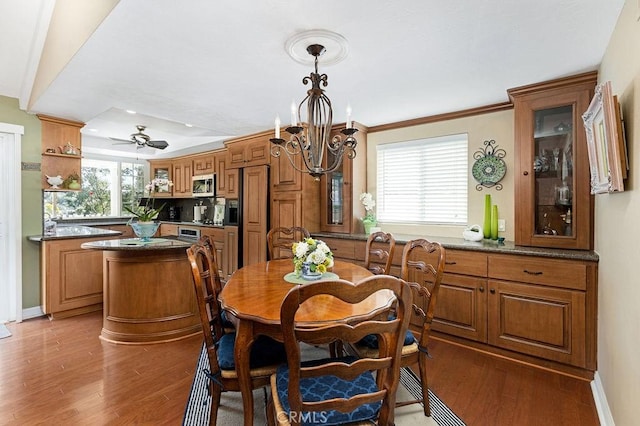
(141, 139)
(312, 140)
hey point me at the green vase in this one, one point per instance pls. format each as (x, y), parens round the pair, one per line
(494, 223)
(486, 227)
(368, 222)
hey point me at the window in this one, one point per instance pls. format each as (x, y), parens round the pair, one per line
(423, 181)
(107, 186)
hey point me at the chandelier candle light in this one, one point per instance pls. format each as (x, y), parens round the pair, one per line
(312, 140)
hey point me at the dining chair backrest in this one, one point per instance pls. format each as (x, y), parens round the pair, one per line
(280, 240)
(389, 331)
(379, 252)
(423, 267)
(207, 286)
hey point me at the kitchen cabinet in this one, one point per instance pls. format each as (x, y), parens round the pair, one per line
(182, 174)
(295, 199)
(56, 135)
(204, 164)
(162, 169)
(218, 237)
(167, 229)
(253, 150)
(536, 306)
(232, 179)
(255, 190)
(461, 308)
(71, 277)
(554, 207)
(340, 208)
(231, 239)
(220, 167)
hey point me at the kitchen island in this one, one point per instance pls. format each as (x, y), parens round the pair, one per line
(148, 294)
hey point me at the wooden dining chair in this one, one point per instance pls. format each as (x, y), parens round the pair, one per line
(422, 267)
(339, 390)
(379, 252)
(266, 354)
(280, 240)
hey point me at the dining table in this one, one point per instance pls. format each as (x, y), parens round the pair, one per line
(254, 293)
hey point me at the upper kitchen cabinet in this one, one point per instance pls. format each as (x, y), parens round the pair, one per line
(220, 165)
(162, 169)
(554, 207)
(253, 150)
(294, 195)
(204, 164)
(182, 174)
(340, 210)
(61, 147)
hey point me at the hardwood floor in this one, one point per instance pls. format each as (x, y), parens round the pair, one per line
(60, 372)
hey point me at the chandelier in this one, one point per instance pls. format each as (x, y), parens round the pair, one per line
(312, 140)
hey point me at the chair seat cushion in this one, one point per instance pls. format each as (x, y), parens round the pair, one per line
(328, 387)
(264, 351)
(371, 341)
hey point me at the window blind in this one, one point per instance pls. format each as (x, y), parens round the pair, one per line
(423, 181)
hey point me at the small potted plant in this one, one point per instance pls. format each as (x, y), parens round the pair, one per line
(73, 181)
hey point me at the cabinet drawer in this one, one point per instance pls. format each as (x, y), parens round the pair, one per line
(343, 249)
(465, 263)
(551, 272)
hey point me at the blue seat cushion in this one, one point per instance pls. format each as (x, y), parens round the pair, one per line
(327, 387)
(264, 351)
(225, 320)
(371, 341)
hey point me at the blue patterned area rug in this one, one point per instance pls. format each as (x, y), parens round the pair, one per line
(230, 410)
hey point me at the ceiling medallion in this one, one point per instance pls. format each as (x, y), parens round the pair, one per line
(336, 47)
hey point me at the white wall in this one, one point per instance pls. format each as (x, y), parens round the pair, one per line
(617, 236)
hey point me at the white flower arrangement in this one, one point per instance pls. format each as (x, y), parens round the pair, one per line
(147, 212)
(369, 203)
(316, 252)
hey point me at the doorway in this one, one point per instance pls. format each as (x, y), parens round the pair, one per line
(10, 223)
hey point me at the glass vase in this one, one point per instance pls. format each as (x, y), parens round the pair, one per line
(145, 230)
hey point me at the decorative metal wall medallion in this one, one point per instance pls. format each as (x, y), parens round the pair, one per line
(489, 168)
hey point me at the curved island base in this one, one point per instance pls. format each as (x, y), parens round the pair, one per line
(148, 291)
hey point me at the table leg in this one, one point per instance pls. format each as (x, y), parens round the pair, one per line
(242, 351)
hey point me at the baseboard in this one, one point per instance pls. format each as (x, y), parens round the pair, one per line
(600, 399)
(33, 312)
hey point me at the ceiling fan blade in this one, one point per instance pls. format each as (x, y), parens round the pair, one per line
(157, 144)
(121, 140)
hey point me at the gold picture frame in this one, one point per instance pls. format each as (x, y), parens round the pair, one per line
(605, 142)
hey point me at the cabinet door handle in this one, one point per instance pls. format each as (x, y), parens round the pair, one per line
(532, 273)
(450, 263)
(526, 173)
(481, 289)
(492, 291)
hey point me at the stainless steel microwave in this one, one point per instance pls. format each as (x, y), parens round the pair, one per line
(204, 186)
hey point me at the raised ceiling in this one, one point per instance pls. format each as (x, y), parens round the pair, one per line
(222, 66)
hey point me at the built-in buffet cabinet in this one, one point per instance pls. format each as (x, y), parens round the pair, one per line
(536, 307)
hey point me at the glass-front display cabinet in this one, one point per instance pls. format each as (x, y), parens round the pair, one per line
(340, 210)
(161, 170)
(553, 204)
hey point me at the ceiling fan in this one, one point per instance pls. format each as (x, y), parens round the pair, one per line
(142, 140)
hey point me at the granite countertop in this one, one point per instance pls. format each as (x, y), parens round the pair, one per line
(65, 232)
(135, 244)
(507, 247)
